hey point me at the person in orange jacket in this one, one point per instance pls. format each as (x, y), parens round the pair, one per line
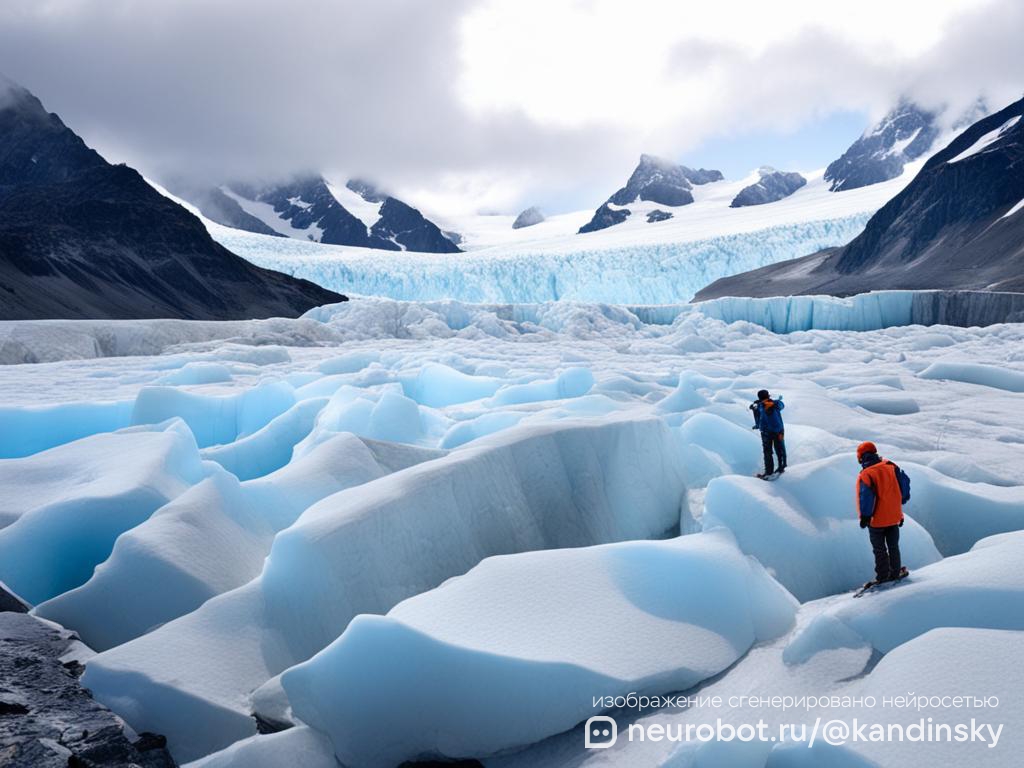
(882, 490)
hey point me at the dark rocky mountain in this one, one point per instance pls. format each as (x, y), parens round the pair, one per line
(958, 225)
(663, 182)
(906, 133)
(773, 185)
(80, 238)
(528, 218)
(654, 180)
(306, 203)
(306, 207)
(605, 217)
(405, 226)
(658, 215)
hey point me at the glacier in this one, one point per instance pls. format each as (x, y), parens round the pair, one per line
(240, 517)
(642, 273)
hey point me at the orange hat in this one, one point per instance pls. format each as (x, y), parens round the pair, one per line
(866, 447)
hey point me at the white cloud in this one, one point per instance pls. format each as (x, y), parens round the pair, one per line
(492, 104)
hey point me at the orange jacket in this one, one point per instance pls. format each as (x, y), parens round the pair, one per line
(879, 495)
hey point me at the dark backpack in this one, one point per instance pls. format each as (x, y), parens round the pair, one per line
(904, 480)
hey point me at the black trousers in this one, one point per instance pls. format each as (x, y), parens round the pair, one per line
(886, 545)
(770, 440)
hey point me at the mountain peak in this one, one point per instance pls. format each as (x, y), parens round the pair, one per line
(84, 238)
(528, 218)
(37, 147)
(904, 134)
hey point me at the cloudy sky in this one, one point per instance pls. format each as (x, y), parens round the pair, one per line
(465, 105)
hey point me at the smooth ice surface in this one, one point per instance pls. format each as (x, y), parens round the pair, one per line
(976, 373)
(981, 588)
(808, 539)
(563, 484)
(516, 649)
(209, 540)
(299, 746)
(65, 507)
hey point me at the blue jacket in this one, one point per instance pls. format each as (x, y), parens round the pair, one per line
(768, 415)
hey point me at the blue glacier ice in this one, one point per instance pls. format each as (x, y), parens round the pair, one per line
(653, 273)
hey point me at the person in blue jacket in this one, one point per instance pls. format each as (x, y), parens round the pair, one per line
(768, 418)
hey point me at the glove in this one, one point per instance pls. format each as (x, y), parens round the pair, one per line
(901, 523)
(865, 522)
(754, 427)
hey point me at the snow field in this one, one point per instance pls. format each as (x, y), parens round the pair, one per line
(422, 439)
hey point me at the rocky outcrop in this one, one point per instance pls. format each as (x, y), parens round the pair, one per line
(9, 601)
(47, 719)
(660, 181)
(605, 217)
(772, 186)
(528, 218)
(958, 225)
(80, 238)
(658, 215)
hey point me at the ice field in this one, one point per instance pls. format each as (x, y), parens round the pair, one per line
(402, 530)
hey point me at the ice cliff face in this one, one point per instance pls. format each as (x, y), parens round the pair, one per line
(664, 273)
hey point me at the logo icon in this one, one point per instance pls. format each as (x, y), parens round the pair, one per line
(601, 732)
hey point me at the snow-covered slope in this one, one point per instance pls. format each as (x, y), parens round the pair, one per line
(950, 228)
(634, 262)
(310, 208)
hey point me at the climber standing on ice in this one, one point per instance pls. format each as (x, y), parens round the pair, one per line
(768, 419)
(882, 490)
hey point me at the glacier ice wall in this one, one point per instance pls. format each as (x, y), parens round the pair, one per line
(641, 274)
(863, 312)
